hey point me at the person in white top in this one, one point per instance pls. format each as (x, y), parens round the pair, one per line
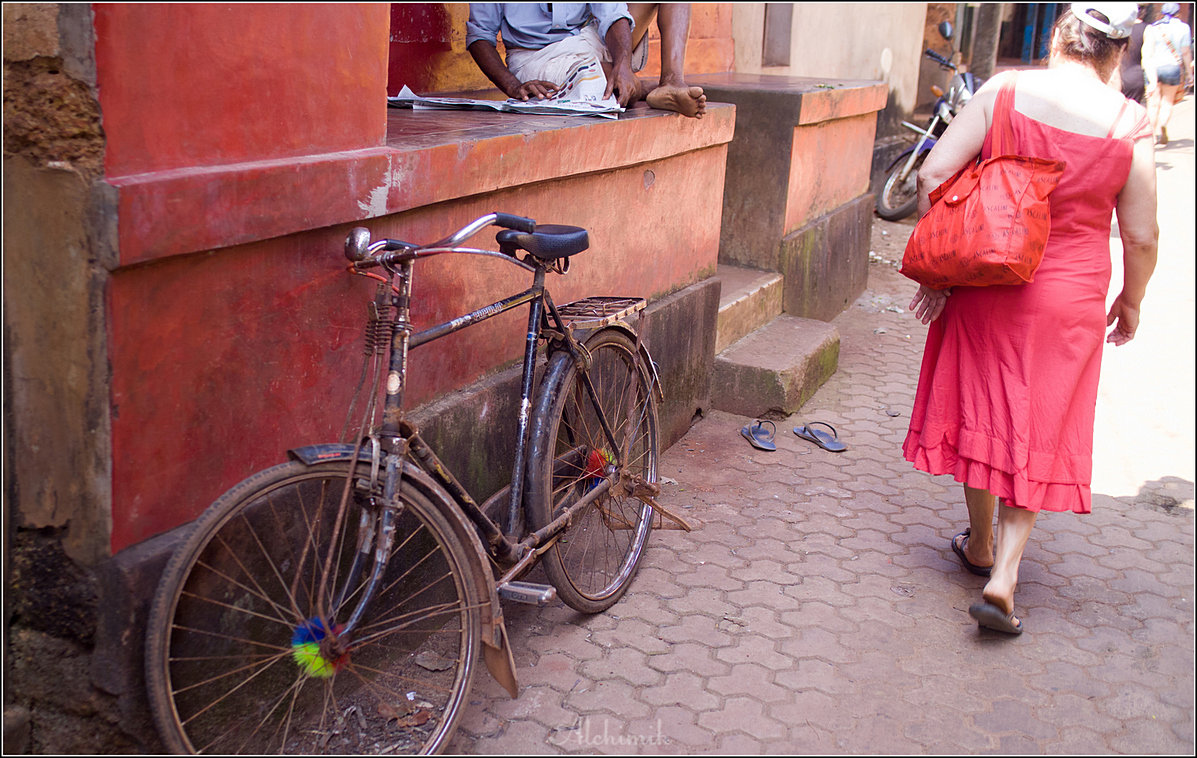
(1167, 58)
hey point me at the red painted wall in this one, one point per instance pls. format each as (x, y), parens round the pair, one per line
(223, 361)
(420, 35)
(210, 84)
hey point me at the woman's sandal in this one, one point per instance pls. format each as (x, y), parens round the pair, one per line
(829, 442)
(758, 436)
(958, 548)
(990, 616)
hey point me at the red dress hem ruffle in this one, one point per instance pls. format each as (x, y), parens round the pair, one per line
(1015, 489)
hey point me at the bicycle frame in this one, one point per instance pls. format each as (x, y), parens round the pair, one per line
(506, 547)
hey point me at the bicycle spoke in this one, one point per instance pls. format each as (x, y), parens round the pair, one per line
(238, 609)
(266, 661)
(406, 620)
(228, 694)
(258, 590)
(231, 662)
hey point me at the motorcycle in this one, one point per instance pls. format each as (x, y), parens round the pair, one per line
(898, 197)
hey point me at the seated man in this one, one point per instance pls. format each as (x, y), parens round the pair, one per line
(559, 51)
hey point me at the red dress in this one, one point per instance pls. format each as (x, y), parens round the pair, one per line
(1008, 386)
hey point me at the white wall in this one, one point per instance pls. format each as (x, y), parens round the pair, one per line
(880, 41)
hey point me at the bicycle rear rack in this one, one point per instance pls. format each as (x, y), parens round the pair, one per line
(595, 312)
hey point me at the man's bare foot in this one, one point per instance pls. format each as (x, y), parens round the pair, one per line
(688, 101)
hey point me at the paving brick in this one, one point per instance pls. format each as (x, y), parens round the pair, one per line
(1146, 737)
(683, 689)
(688, 656)
(624, 663)
(1013, 717)
(745, 715)
(609, 696)
(670, 730)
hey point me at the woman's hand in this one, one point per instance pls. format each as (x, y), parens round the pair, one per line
(1127, 317)
(929, 303)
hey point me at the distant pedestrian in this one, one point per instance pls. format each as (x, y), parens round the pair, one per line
(1008, 385)
(1130, 69)
(1167, 57)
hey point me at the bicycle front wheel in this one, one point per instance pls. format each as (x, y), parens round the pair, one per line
(245, 651)
(594, 558)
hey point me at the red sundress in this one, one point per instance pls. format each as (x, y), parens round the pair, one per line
(1008, 385)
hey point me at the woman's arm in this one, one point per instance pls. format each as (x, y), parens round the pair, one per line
(1140, 233)
(961, 143)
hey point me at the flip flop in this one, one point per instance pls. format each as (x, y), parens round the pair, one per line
(829, 442)
(758, 436)
(990, 616)
(640, 55)
(958, 548)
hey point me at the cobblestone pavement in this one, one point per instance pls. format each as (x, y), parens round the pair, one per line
(818, 607)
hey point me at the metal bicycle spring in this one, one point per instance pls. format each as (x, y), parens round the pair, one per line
(377, 338)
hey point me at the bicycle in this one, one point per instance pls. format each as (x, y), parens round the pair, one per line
(337, 602)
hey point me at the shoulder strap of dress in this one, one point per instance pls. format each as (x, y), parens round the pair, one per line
(1117, 119)
(1141, 129)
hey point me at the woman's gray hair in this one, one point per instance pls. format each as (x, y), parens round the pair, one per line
(1076, 39)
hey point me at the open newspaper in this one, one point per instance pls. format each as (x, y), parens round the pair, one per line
(608, 108)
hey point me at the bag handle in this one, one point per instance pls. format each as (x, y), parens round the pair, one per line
(1003, 107)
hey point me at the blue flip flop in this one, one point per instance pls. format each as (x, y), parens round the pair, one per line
(758, 436)
(829, 442)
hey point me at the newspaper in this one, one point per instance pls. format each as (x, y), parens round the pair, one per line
(608, 108)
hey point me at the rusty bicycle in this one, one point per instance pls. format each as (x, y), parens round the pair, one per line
(337, 603)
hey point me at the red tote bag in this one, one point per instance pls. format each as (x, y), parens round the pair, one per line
(988, 224)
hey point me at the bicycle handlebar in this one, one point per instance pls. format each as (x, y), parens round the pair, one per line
(359, 249)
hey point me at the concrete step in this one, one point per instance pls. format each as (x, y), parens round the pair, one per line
(748, 300)
(776, 368)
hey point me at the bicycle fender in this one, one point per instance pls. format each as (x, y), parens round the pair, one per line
(496, 649)
(650, 366)
(930, 143)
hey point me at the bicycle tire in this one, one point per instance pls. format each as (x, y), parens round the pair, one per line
(593, 560)
(230, 662)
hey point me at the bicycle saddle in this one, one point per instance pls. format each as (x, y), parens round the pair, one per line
(548, 242)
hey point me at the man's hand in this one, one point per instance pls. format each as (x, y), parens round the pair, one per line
(537, 88)
(623, 84)
(491, 63)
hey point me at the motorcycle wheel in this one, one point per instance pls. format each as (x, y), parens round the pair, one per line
(898, 199)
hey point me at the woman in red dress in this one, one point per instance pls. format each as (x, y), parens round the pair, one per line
(1008, 386)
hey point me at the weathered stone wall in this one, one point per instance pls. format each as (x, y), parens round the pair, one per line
(54, 276)
(56, 472)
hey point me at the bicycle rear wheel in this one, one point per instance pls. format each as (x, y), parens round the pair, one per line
(593, 560)
(244, 652)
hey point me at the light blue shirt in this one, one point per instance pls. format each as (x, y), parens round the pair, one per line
(533, 26)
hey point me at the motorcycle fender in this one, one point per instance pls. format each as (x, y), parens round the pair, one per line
(930, 143)
(496, 650)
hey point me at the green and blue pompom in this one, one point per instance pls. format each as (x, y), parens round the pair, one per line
(305, 649)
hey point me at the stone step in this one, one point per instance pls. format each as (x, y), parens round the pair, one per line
(776, 368)
(748, 300)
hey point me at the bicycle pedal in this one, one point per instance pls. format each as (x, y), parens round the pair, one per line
(527, 592)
